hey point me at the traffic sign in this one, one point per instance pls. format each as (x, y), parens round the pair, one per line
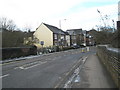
(42, 42)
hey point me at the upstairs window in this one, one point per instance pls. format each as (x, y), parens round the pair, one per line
(55, 36)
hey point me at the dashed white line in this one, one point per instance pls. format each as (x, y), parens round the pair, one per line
(4, 75)
(31, 66)
(24, 66)
(21, 67)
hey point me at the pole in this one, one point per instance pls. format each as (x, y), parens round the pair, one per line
(60, 24)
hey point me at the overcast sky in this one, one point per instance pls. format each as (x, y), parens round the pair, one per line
(73, 14)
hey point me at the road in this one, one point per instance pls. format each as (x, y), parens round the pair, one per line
(47, 71)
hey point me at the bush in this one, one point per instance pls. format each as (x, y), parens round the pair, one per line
(15, 52)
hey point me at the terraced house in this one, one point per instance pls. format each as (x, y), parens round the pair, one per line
(49, 35)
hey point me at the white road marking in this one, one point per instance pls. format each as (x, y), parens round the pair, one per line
(21, 67)
(16, 67)
(77, 79)
(75, 75)
(4, 75)
(85, 59)
(31, 66)
(25, 68)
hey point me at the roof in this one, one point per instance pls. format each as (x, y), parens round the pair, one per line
(66, 33)
(75, 31)
(54, 29)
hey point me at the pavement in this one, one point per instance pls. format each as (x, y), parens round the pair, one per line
(94, 75)
(57, 70)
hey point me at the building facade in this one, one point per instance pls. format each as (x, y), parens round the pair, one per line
(76, 36)
(50, 36)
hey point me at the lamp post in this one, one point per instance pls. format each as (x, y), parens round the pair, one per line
(61, 39)
(60, 24)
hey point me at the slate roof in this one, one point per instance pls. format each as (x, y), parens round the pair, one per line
(54, 29)
(66, 33)
(75, 31)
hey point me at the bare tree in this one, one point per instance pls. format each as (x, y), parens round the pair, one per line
(7, 24)
(27, 28)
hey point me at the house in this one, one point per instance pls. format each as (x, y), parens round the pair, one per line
(76, 36)
(89, 38)
(48, 35)
(67, 36)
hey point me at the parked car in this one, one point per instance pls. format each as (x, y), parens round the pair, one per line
(75, 46)
(81, 46)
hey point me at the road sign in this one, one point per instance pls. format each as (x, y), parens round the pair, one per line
(42, 42)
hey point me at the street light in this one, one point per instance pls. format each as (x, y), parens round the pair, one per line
(60, 23)
(61, 39)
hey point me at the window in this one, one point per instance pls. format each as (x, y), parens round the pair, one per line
(55, 36)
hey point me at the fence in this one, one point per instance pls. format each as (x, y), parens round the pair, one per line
(15, 52)
(111, 61)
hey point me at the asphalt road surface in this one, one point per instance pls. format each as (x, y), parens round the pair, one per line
(47, 71)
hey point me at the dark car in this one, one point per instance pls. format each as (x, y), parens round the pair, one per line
(82, 46)
(75, 46)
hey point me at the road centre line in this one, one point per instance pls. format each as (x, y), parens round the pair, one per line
(29, 64)
(4, 75)
(35, 65)
(24, 68)
(21, 67)
(31, 67)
